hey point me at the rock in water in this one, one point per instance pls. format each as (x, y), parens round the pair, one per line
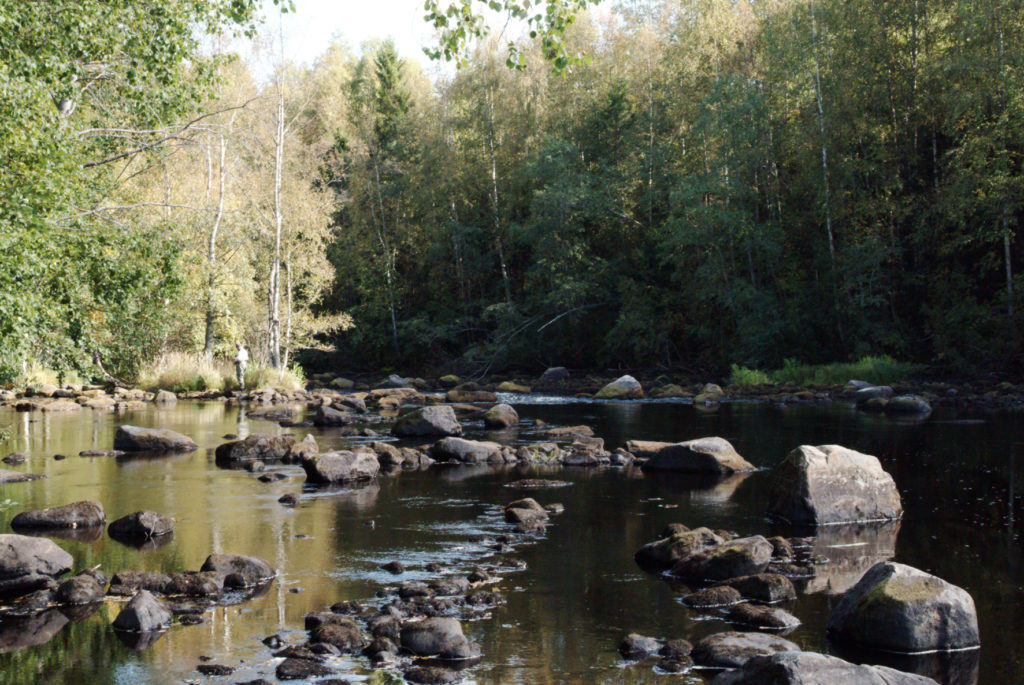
(428, 421)
(908, 405)
(165, 397)
(248, 570)
(17, 477)
(143, 614)
(804, 668)
(704, 455)
(665, 553)
(341, 466)
(832, 484)
(135, 439)
(140, 525)
(636, 647)
(624, 388)
(256, 447)
(740, 557)
(81, 589)
(501, 416)
(898, 608)
(733, 649)
(467, 451)
(437, 636)
(84, 514)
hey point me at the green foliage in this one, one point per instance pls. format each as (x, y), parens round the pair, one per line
(741, 375)
(881, 370)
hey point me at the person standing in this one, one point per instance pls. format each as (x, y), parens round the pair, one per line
(241, 361)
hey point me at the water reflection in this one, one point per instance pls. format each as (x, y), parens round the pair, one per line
(850, 550)
(29, 631)
(949, 668)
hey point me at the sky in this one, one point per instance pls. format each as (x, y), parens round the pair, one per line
(310, 29)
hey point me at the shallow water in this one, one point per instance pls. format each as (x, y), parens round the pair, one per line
(580, 593)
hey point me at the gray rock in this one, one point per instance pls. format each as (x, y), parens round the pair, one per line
(757, 616)
(636, 647)
(624, 388)
(251, 570)
(341, 466)
(832, 484)
(141, 525)
(328, 416)
(293, 668)
(431, 675)
(739, 557)
(433, 636)
(341, 632)
(554, 375)
(524, 510)
(898, 608)
(256, 447)
(81, 589)
(764, 587)
(865, 395)
(136, 439)
(7, 476)
(396, 381)
(165, 397)
(143, 614)
(908, 405)
(467, 451)
(427, 421)
(733, 649)
(809, 668)
(713, 597)
(501, 416)
(84, 514)
(667, 552)
(704, 455)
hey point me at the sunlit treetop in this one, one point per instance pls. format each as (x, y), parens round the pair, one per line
(461, 21)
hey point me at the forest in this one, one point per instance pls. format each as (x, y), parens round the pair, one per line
(688, 184)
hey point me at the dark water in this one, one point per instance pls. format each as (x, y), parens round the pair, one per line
(959, 476)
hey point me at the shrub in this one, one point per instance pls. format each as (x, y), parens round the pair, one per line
(743, 376)
(878, 370)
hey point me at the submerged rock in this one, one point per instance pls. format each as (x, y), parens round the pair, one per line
(428, 421)
(624, 388)
(136, 439)
(800, 668)
(704, 455)
(30, 563)
(895, 607)
(832, 484)
(84, 514)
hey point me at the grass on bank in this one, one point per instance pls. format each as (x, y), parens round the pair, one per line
(182, 372)
(878, 370)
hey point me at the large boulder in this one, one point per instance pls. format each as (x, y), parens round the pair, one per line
(901, 609)
(427, 421)
(84, 514)
(328, 416)
(703, 455)
(136, 439)
(341, 466)
(524, 510)
(733, 649)
(624, 388)
(832, 484)
(143, 614)
(30, 563)
(665, 553)
(256, 447)
(501, 416)
(809, 668)
(467, 451)
(140, 525)
(740, 557)
(242, 571)
(437, 636)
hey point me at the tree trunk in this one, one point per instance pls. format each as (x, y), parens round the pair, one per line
(211, 259)
(275, 268)
(494, 195)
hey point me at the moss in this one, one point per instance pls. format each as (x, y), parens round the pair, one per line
(900, 591)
